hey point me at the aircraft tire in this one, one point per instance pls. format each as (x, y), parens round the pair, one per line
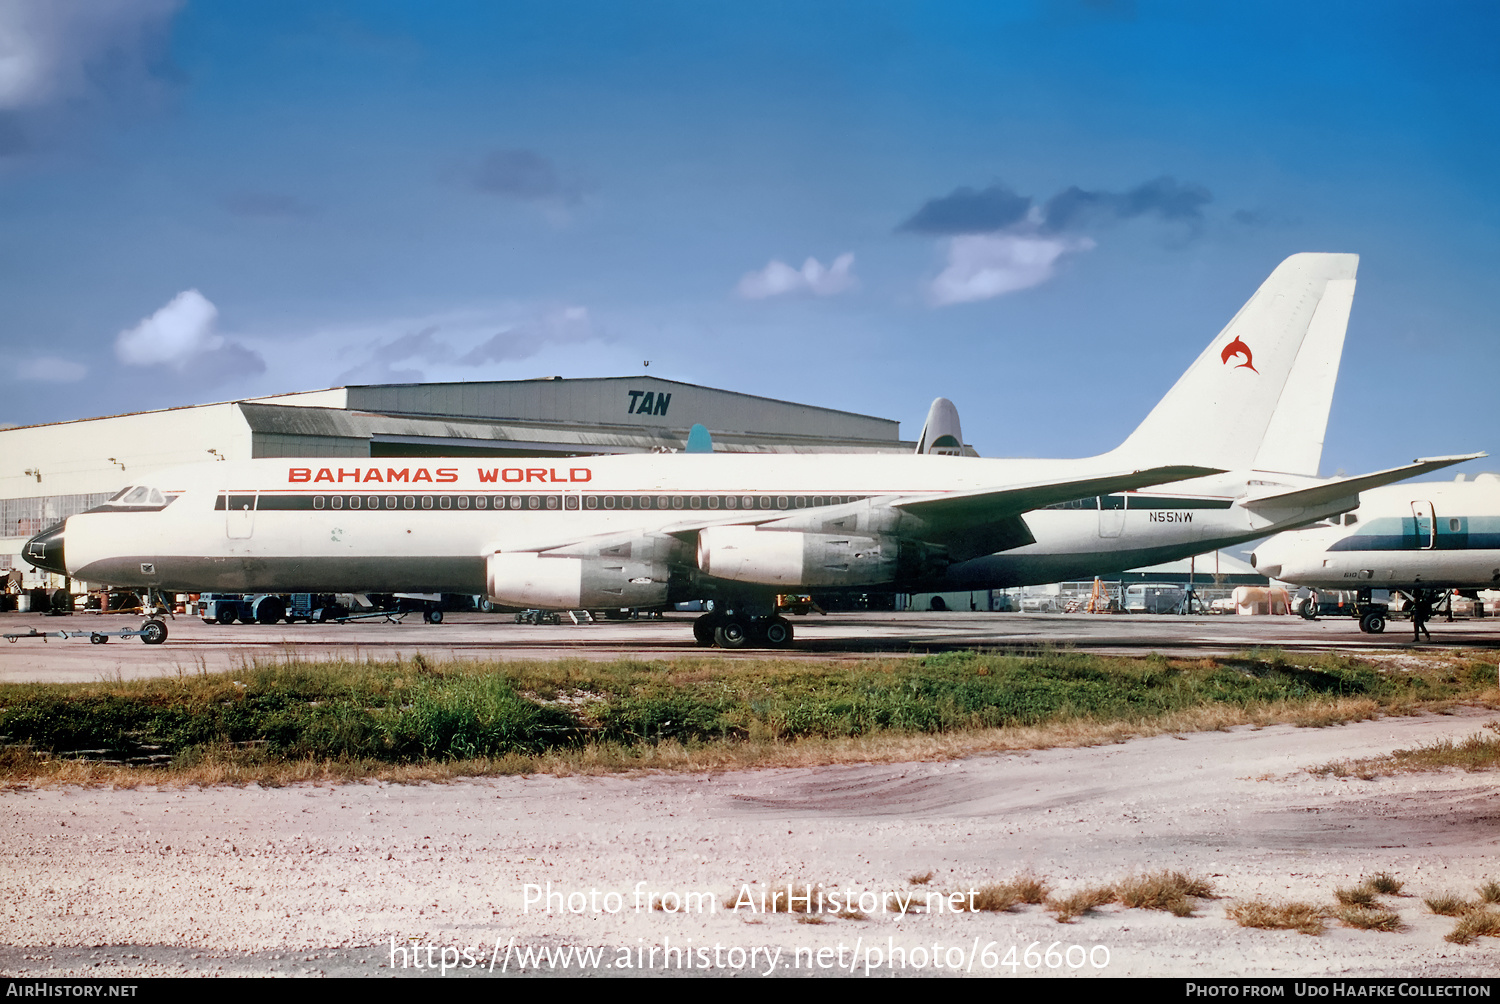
(703, 631)
(732, 634)
(1372, 623)
(270, 611)
(777, 632)
(154, 632)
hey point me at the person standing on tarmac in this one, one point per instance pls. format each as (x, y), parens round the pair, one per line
(1421, 610)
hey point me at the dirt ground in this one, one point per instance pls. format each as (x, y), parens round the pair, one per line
(340, 879)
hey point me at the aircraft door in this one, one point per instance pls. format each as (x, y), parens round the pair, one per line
(1426, 521)
(239, 517)
(1111, 515)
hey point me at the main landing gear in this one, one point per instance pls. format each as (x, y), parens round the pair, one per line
(733, 630)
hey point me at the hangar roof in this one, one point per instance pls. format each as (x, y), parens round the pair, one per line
(638, 401)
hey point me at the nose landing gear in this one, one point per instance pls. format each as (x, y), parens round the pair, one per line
(153, 630)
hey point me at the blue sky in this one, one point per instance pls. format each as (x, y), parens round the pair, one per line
(1042, 210)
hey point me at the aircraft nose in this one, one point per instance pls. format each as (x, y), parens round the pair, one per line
(45, 550)
(1267, 563)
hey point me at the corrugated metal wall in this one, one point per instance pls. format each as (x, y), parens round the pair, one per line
(637, 401)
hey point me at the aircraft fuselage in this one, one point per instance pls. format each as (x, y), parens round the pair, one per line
(358, 525)
(1428, 535)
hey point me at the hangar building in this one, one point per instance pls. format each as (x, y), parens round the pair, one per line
(49, 472)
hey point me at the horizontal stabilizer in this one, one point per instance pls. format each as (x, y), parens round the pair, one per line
(1342, 488)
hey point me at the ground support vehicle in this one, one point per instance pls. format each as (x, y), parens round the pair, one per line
(267, 608)
(1371, 610)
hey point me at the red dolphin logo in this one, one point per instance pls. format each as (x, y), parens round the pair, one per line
(1239, 348)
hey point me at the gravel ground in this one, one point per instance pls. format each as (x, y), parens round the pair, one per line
(328, 879)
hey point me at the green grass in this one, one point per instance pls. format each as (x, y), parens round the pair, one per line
(509, 716)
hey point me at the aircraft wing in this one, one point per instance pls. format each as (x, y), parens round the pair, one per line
(999, 503)
(976, 523)
(1345, 488)
(968, 523)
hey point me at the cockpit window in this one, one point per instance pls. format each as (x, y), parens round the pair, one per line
(136, 498)
(141, 495)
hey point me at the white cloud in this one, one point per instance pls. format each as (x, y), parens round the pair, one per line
(182, 335)
(53, 50)
(384, 363)
(475, 342)
(778, 278)
(981, 266)
(561, 326)
(51, 369)
(173, 335)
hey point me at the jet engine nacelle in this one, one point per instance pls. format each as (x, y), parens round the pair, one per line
(795, 558)
(527, 579)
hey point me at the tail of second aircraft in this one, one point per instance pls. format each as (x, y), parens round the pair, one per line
(1259, 395)
(941, 433)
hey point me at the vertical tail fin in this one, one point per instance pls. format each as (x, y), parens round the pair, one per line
(1258, 397)
(699, 440)
(941, 433)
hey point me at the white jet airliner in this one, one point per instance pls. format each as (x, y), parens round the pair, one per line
(1419, 539)
(648, 530)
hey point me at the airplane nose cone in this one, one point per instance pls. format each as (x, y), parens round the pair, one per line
(45, 550)
(1264, 564)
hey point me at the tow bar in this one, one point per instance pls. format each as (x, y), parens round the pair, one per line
(153, 632)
